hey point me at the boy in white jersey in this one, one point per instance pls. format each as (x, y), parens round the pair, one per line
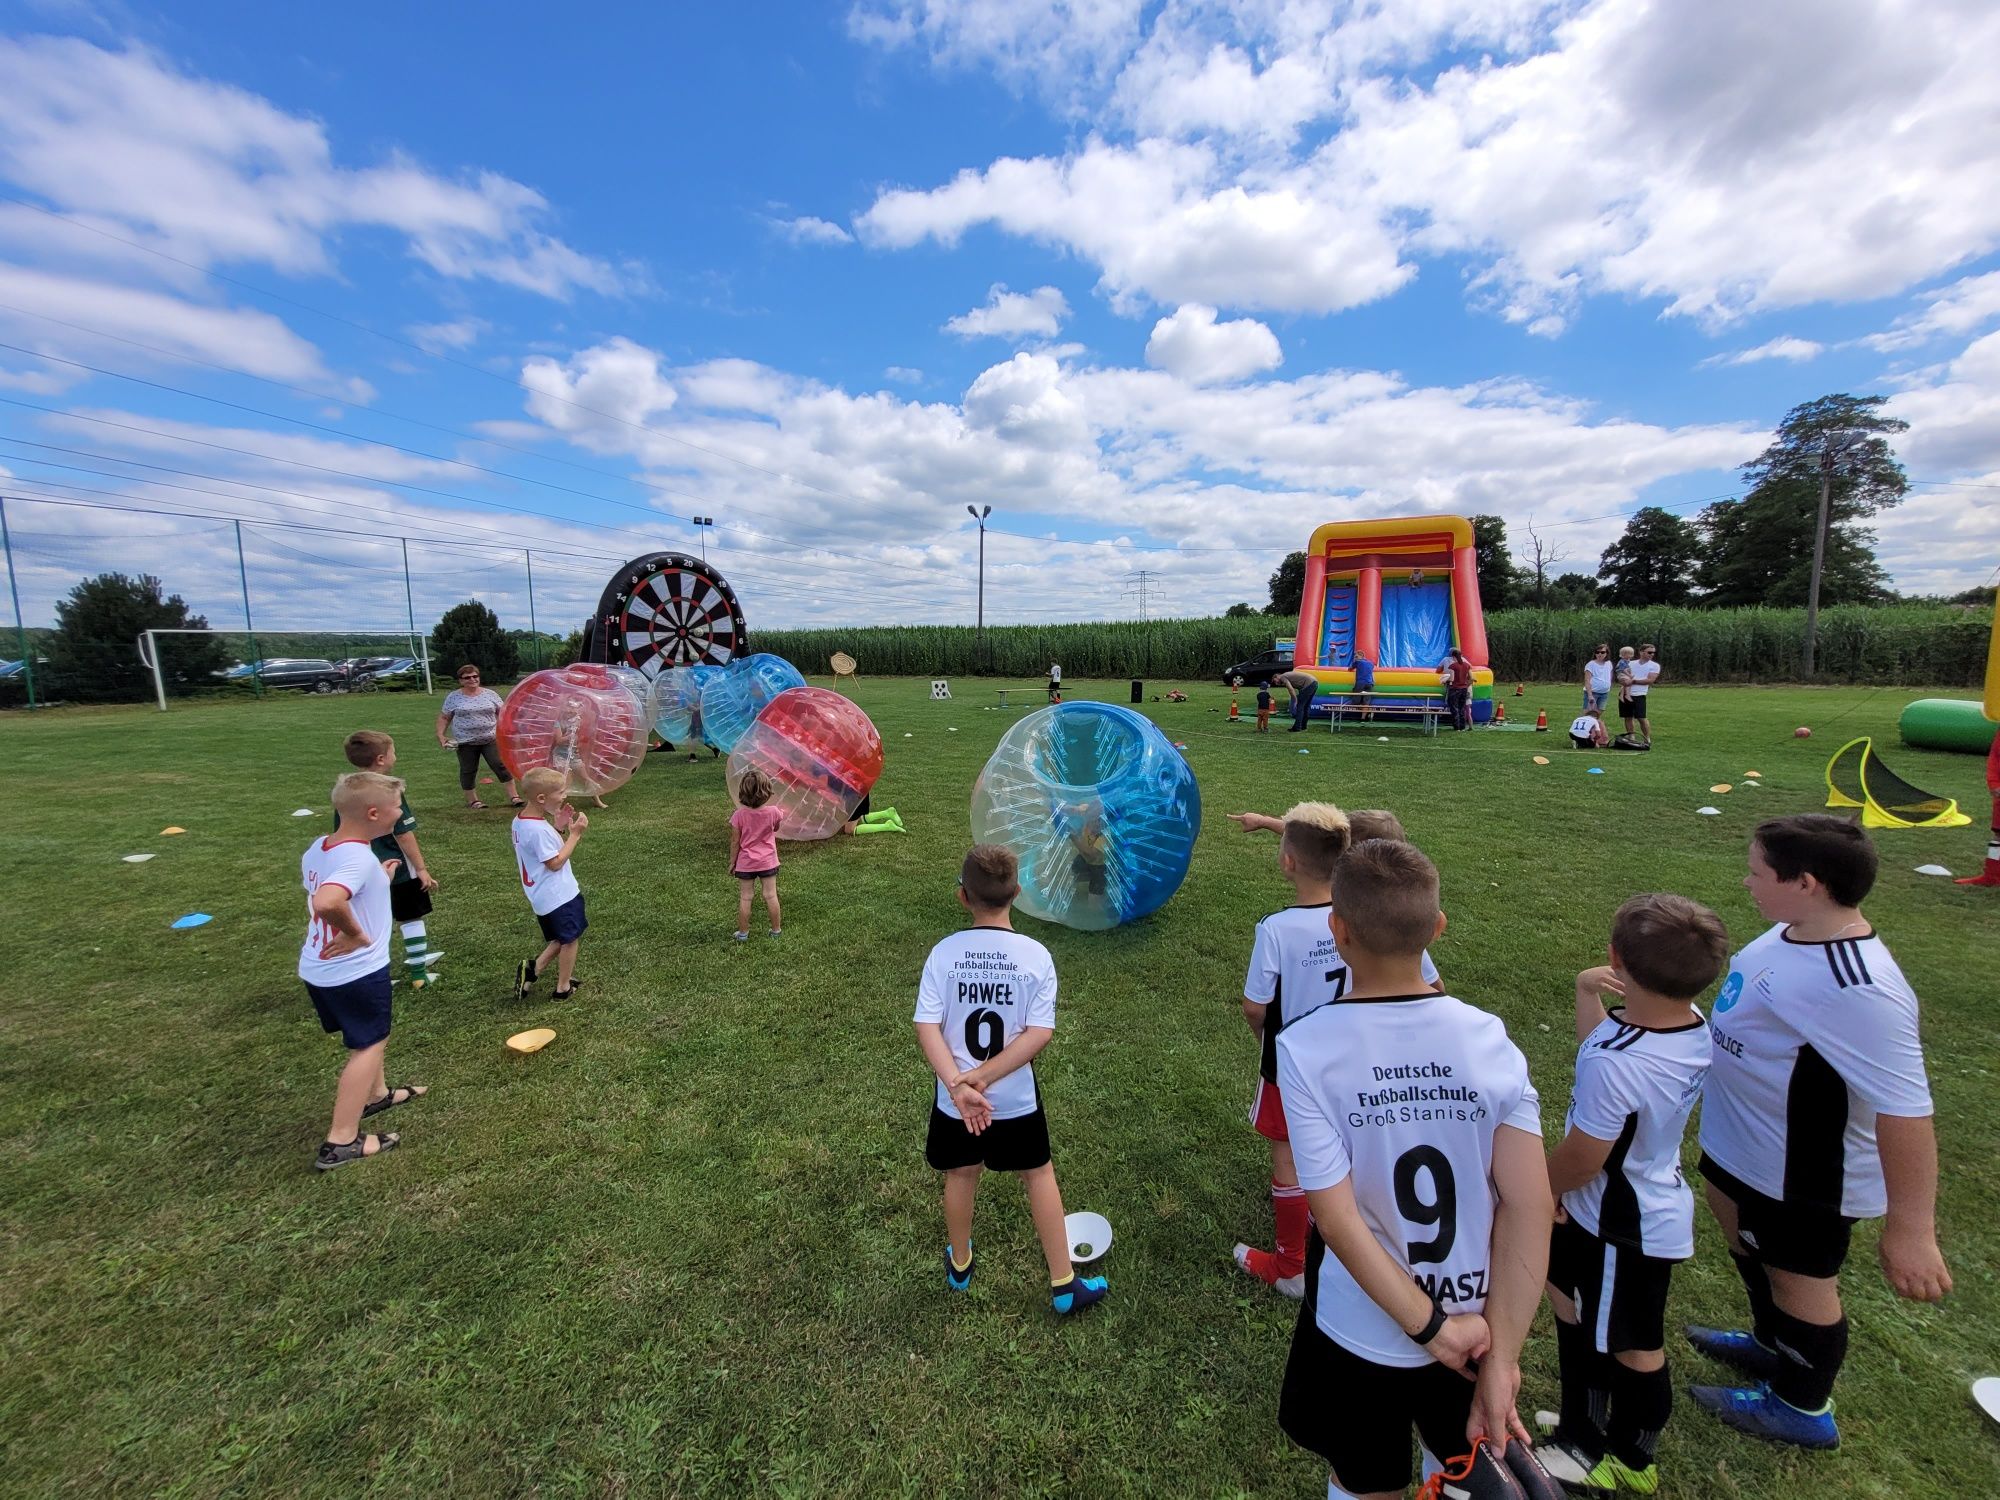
(1817, 1113)
(1417, 1138)
(1295, 967)
(345, 959)
(985, 1007)
(542, 855)
(1625, 1213)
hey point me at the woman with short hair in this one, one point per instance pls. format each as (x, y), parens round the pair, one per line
(468, 720)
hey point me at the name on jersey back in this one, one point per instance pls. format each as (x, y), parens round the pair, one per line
(1430, 1097)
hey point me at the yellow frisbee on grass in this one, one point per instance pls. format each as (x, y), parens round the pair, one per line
(525, 1042)
(1541, 760)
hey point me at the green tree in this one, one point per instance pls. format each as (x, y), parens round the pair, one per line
(1499, 579)
(568, 649)
(1760, 547)
(1238, 612)
(1288, 586)
(1572, 591)
(470, 632)
(94, 653)
(1654, 562)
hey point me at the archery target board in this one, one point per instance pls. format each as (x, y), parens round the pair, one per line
(668, 610)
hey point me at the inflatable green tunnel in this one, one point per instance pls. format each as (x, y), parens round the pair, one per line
(1947, 724)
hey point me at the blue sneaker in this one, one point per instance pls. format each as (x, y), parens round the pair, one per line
(954, 1278)
(1077, 1293)
(1736, 1347)
(1753, 1409)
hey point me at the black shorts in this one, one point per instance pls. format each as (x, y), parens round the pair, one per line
(1802, 1238)
(409, 901)
(1620, 1293)
(566, 923)
(1636, 709)
(358, 1010)
(1017, 1145)
(770, 874)
(1578, 742)
(1357, 1415)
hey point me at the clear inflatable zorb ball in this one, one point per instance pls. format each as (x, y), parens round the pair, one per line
(675, 704)
(577, 720)
(1098, 807)
(822, 754)
(635, 682)
(731, 700)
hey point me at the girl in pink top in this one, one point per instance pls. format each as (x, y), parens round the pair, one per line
(753, 850)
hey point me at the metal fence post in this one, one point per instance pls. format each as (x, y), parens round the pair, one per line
(20, 629)
(243, 576)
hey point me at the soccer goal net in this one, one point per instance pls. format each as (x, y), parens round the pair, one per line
(275, 661)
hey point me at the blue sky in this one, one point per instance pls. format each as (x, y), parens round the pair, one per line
(1167, 285)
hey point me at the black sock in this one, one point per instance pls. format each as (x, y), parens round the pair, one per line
(1812, 1356)
(1757, 1282)
(1586, 1397)
(1640, 1403)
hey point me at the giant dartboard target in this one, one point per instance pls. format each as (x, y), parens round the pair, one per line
(667, 610)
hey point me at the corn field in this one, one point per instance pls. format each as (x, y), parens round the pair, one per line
(1922, 644)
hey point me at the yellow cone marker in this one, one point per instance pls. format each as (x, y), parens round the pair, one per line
(1721, 786)
(1541, 760)
(525, 1042)
(1752, 775)
(165, 831)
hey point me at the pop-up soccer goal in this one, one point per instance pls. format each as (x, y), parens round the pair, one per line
(1856, 777)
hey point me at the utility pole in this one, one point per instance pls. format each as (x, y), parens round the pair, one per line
(1139, 585)
(1835, 447)
(979, 513)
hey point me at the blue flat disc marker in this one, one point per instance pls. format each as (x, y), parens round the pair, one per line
(1596, 771)
(193, 919)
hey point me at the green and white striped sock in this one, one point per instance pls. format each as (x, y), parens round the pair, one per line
(417, 957)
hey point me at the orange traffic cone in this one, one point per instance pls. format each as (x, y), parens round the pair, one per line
(1235, 715)
(1500, 713)
(1520, 689)
(1991, 874)
(1542, 718)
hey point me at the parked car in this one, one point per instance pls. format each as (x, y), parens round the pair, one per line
(401, 672)
(314, 674)
(1259, 670)
(354, 666)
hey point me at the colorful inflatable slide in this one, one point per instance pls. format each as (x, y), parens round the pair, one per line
(1400, 593)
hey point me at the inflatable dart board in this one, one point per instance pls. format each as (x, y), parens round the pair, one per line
(666, 610)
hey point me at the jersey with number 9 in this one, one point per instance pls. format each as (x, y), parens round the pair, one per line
(1401, 1097)
(985, 986)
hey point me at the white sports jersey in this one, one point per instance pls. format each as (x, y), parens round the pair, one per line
(1402, 1096)
(1642, 674)
(1636, 1088)
(536, 842)
(1811, 1042)
(985, 986)
(1295, 968)
(1584, 727)
(351, 865)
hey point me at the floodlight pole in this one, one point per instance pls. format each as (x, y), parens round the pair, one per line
(409, 597)
(243, 576)
(20, 629)
(701, 529)
(1829, 461)
(529, 554)
(979, 514)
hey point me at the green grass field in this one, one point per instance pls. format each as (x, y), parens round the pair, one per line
(692, 1247)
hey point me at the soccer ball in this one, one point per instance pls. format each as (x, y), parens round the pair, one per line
(1802, 733)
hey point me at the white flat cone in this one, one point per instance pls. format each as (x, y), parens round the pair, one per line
(1986, 1393)
(1932, 870)
(1089, 1236)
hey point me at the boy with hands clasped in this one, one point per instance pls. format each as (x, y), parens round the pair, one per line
(986, 1006)
(1417, 1139)
(1625, 1213)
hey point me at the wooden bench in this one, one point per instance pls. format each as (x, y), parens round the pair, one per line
(1379, 708)
(1034, 687)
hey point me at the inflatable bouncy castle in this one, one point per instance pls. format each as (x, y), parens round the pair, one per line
(1399, 593)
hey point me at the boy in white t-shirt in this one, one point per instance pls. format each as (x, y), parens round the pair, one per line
(986, 1006)
(1294, 969)
(1587, 731)
(1417, 1138)
(345, 959)
(1626, 1215)
(546, 833)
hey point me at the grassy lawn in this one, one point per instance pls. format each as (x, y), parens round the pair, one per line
(692, 1247)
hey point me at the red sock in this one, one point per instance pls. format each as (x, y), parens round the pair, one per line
(1288, 1207)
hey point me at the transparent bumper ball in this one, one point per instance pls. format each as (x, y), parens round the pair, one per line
(732, 699)
(676, 702)
(822, 754)
(635, 682)
(578, 720)
(1098, 807)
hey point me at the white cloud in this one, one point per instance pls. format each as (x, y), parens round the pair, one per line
(436, 338)
(599, 391)
(1013, 315)
(903, 375)
(1786, 347)
(808, 230)
(1966, 304)
(1565, 148)
(1047, 45)
(1192, 345)
(216, 175)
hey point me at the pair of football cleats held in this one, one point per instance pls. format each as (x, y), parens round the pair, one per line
(1488, 1474)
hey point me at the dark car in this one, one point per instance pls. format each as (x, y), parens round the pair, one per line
(355, 666)
(315, 674)
(1259, 670)
(399, 672)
